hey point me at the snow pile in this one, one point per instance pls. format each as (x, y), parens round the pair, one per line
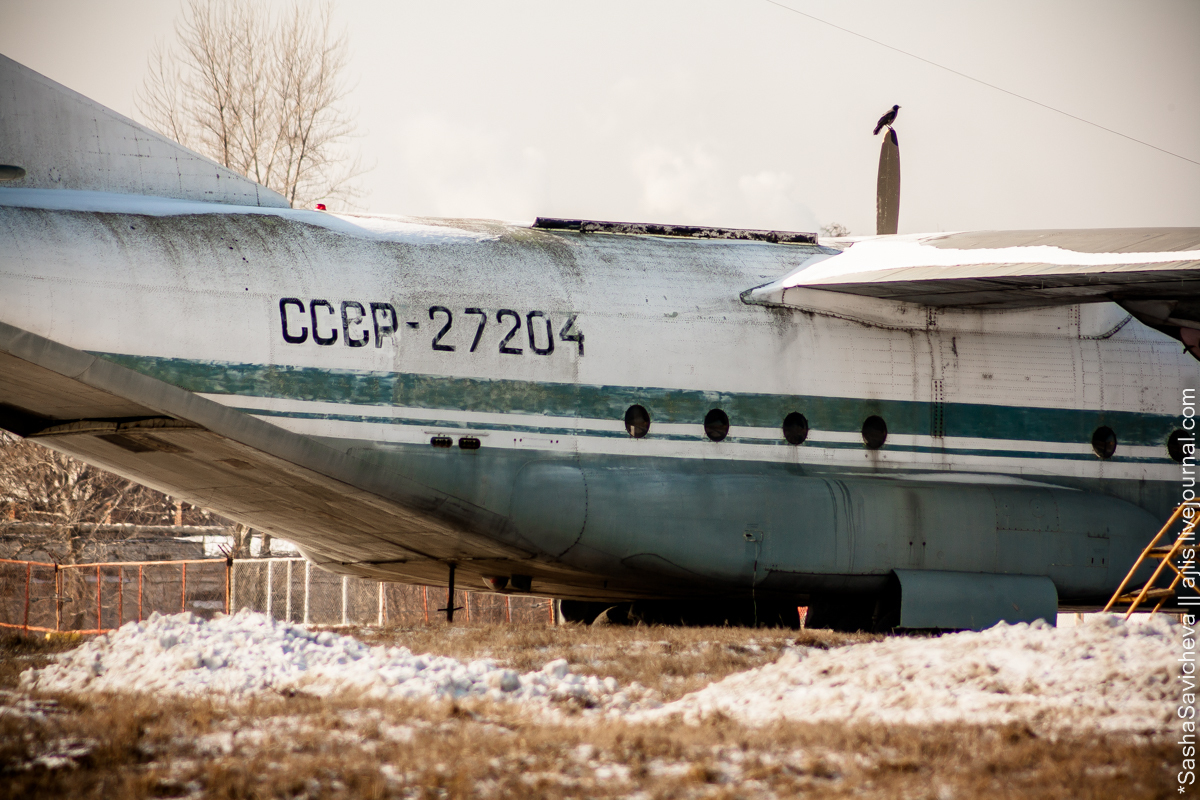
(1105, 674)
(247, 653)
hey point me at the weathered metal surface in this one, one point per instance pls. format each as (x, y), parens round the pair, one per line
(1016, 286)
(686, 231)
(1080, 240)
(62, 139)
(366, 416)
(887, 190)
(223, 458)
(972, 600)
(1008, 269)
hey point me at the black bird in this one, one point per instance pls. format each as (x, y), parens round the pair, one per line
(886, 120)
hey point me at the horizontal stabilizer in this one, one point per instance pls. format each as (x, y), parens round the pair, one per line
(1153, 273)
(63, 140)
(1011, 269)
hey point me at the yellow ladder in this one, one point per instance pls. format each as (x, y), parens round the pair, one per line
(1166, 555)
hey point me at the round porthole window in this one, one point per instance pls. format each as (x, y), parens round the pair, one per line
(716, 424)
(1175, 444)
(637, 421)
(1104, 442)
(795, 428)
(874, 432)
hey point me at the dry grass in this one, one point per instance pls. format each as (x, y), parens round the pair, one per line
(135, 747)
(19, 652)
(672, 661)
(302, 747)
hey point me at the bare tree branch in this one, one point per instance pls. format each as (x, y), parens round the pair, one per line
(40, 485)
(835, 229)
(261, 94)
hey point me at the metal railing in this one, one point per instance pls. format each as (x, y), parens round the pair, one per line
(293, 589)
(95, 598)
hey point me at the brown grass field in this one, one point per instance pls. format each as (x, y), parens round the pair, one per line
(134, 746)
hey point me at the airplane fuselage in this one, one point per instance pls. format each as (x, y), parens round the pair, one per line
(488, 370)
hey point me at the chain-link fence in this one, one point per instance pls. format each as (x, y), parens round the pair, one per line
(92, 598)
(293, 589)
(27, 593)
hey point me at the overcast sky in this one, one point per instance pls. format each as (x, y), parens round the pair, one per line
(730, 112)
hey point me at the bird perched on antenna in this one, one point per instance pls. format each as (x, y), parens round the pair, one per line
(886, 120)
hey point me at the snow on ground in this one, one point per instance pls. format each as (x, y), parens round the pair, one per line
(247, 653)
(1106, 674)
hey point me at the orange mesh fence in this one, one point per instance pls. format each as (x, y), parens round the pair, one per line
(410, 605)
(93, 598)
(27, 595)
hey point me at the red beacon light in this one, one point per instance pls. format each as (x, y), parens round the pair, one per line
(320, 206)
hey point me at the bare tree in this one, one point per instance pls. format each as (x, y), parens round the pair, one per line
(41, 486)
(835, 229)
(260, 93)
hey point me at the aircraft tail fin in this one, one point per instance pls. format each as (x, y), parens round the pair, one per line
(63, 140)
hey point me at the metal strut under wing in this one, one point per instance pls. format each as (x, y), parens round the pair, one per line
(341, 513)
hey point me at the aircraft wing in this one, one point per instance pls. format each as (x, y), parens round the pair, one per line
(1154, 273)
(198, 450)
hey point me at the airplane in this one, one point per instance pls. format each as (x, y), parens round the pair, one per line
(933, 431)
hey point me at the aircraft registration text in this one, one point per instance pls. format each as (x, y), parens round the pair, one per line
(321, 322)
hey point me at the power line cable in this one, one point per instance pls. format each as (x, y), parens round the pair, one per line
(983, 82)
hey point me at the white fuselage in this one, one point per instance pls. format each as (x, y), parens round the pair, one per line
(387, 339)
(657, 314)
